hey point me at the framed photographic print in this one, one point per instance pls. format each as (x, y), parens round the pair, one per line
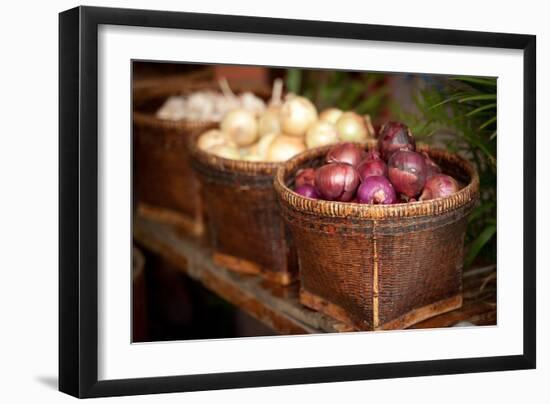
(254, 201)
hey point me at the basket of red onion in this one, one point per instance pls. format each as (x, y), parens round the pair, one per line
(379, 230)
(165, 186)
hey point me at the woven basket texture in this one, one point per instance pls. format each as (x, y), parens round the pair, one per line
(244, 218)
(162, 172)
(379, 266)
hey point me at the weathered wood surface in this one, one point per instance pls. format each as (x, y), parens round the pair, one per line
(278, 307)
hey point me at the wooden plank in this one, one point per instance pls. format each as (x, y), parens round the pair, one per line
(278, 306)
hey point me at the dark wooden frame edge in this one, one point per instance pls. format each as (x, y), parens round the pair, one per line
(78, 208)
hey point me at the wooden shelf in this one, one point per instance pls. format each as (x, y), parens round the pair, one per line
(278, 307)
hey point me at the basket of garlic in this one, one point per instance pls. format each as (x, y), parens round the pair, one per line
(165, 186)
(236, 164)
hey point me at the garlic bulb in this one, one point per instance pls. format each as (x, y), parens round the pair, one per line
(252, 103)
(284, 147)
(297, 115)
(172, 109)
(321, 134)
(331, 115)
(208, 105)
(241, 126)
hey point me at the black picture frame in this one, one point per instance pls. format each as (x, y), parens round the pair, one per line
(78, 201)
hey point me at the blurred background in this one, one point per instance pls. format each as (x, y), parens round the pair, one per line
(457, 113)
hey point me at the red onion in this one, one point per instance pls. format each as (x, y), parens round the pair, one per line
(372, 165)
(407, 172)
(305, 176)
(337, 182)
(439, 186)
(349, 153)
(395, 136)
(432, 167)
(307, 190)
(372, 154)
(376, 190)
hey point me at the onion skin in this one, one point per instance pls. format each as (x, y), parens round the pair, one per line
(269, 121)
(348, 153)
(439, 186)
(373, 154)
(395, 136)
(351, 127)
(407, 172)
(371, 133)
(241, 126)
(433, 168)
(284, 147)
(252, 157)
(321, 134)
(226, 151)
(305, 176)
(337, 182)
(330, 115)
(307, 190)
(372, 167)
(211, 138)
(263, 145)
(297, 115)
(376, 190)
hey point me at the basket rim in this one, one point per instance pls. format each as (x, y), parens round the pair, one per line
(150, 119)
(465, 196)
(229, 165)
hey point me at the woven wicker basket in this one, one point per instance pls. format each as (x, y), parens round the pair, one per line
(246, 230)
(165, 185)
(379, 266)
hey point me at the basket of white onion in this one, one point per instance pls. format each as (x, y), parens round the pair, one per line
(236, 164)
(165, 186)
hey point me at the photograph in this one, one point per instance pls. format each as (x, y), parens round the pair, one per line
(244, 202)
(276, 200)
(252, 201)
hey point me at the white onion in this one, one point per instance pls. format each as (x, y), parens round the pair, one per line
(284, 147)
(351, 127)
(297, 115)
(250, 153)
(331, 115)
(211, 138)
(321, 134)
(269, 121)
(252, 157)
(241, 126)
(226, 151)
(263, 145)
